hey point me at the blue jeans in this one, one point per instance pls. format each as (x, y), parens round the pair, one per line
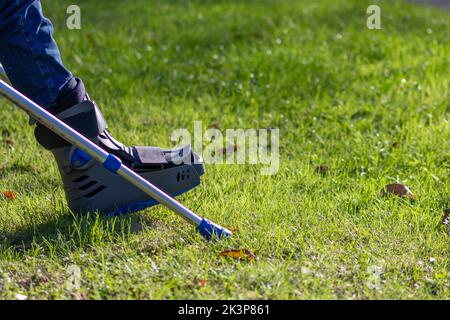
(29, 53)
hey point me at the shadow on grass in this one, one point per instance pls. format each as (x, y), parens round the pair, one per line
(69, 232)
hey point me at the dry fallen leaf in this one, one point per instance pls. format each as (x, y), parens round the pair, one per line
(202, 282)
(400, 190)
(239, 254)
(9, 194)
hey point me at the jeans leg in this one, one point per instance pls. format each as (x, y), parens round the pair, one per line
(28, 52)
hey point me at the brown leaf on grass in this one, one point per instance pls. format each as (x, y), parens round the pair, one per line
(446, 218)
(228, 150)
(239, 254)
(202, 283)
(9, 194)
(399, 190)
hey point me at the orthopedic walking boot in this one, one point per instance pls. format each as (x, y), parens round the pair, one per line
(89, 187)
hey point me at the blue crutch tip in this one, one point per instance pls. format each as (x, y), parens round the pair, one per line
(210, 230)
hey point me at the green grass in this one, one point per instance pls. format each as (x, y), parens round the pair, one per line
(311, 68)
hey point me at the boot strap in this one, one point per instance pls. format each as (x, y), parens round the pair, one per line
(149, 155)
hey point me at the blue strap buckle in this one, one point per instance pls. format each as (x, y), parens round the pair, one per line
(79, 158)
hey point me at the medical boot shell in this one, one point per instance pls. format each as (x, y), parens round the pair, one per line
(89, 187)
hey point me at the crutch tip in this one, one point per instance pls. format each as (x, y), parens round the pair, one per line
(210, 230)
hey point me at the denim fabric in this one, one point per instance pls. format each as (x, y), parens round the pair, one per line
(29, 53)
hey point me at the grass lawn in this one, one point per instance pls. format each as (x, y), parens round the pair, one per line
(370, 106)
